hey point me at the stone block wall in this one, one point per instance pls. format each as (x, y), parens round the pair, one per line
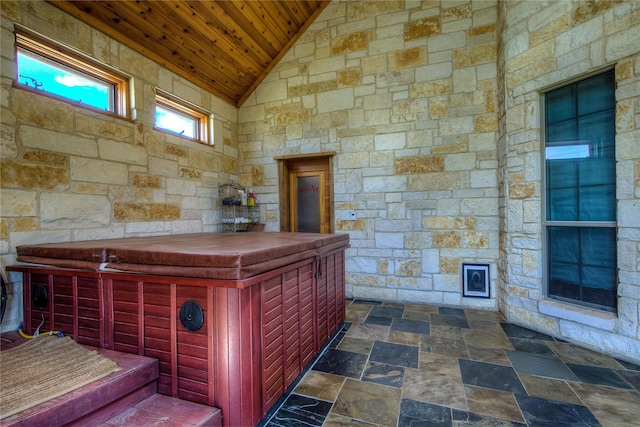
(405, 93)
(544, 45)
(68, 173)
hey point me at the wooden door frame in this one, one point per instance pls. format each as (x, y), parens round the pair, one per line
(284, 166)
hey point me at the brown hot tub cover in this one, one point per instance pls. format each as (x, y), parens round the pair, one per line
(204, 255)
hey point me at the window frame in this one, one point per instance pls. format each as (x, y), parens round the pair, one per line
(56, 52)
(547, 224)
(203, 118)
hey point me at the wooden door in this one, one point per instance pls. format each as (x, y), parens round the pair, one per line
(307, 207)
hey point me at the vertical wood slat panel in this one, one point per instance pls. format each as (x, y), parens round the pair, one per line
(291, 335)
(74, 297)
(331, 293)
(237, 335)
(307, 315)
(272, 336)
(141, 322)
(322, 304)
(102, 309)
(127, 310)
(63, 305)
(49, 321)
(90, 298)
(251, 355)
(157, 336)
(26, 301)
(223, 362)
(314, 303)
(173, 340)
(300, 284)
(342, 307)
(213, 349)
(108, 316)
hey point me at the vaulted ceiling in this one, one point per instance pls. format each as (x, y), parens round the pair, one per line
(226, 47)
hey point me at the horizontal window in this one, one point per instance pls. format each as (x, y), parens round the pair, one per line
(55, 71)
(181, 118)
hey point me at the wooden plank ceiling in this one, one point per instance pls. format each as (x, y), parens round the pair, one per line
(226, 47)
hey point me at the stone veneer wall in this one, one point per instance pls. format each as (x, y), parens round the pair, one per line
(544, 45)
(405, 93)
(68, 173)
(433, 110)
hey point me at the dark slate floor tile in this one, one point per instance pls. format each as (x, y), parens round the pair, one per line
(381, 373)
(451, 311)
(449, 320)
(551, 413)
(409, 325)
(378, 320)
(386, 311)
(531, 346)
(414, 413)
(463, 418)
(515, 331)
(632, 377)
(488, 375)
(395, 354)
(628, 365)
(336, 340)
(598, 375)
(340, 362)
(300, 410)
(540, 364)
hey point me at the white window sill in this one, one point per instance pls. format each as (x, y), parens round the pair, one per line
(594, 318)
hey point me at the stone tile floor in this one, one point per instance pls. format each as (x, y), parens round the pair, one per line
(419, 365)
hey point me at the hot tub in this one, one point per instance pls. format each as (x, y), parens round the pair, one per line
(233, 318)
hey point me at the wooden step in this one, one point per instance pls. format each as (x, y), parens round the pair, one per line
(124, 398)
(160, 410)
(134, 382)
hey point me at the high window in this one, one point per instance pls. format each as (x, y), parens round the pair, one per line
(179, 117)
(55, 71)
(580, 193)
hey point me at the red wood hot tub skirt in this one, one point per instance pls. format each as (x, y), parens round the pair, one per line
(270, 302)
